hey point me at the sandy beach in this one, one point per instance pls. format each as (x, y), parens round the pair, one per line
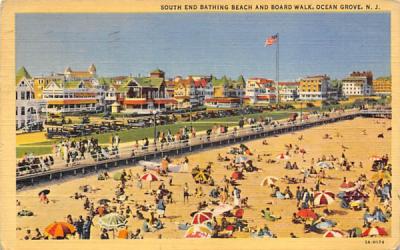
(347, 136)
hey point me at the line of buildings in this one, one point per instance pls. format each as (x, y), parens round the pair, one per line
(84, 91)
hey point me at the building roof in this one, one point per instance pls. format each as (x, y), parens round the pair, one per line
(149, 81)
(21, 73)
(75, 84)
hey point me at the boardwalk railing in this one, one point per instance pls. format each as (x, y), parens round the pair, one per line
(154, 151)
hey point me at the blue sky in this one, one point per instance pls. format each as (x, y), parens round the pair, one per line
(205, 43)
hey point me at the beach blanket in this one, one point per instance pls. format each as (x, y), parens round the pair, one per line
(174, 168)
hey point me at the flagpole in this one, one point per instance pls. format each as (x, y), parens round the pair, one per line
(277, 68)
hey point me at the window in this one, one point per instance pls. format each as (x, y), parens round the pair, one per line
(22, 110)
(22, 95)
(16, 95)
(16, 111)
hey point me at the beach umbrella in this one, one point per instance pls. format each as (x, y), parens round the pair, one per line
(241, 159)
(222, 208)
(201, 217)
(269, 180)
(45, 192)
(59, 229)
(117, 176)
(381, 175)
(103, 201)
(374, 231)
(333, 234)
(325, 225)
(375, 158)
(307, 214)
(236, 175)
(112, 221)
(324, 164)
(348, 186)
(150, 177)
(283, 157)
(200, 175)
(324, 198)
(198, 231)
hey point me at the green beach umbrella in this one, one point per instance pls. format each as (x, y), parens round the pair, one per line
(112, 221)
(117, 176)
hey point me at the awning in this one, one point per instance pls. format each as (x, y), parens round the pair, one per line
(71, 101)
(135, 102)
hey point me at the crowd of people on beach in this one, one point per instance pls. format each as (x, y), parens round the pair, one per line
(221, 212)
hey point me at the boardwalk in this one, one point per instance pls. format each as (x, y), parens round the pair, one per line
(59, 170)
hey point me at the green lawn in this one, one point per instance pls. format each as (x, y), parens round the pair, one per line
(35, 150)
(139, 134)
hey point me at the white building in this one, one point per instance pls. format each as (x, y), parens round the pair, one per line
(73, 96)
(288, 91)
(27, 108)
(356, 86)
(260, 91)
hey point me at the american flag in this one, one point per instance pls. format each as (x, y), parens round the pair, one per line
(271, 40)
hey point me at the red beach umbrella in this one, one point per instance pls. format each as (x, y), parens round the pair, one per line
(307, 214)
(333, 234)
(201, 217)
(374, 231)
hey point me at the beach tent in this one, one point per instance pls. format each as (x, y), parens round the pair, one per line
(201, 217)
(198, 231)
(59, 229)
(324, 198)
(269, 180)
(333, 234)
(112, 221)
(307, 214)
(324, 164)
(374, 231)
(222, 208)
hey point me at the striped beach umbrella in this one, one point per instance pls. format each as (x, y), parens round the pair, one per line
(201, 217)
(374, 231)
(348, 186)
(198, 231)
(59, 229)
(150, 177)
(333, 234)
(324, 198)
(112, 221)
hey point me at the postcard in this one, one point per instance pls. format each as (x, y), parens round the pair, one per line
(199, 125)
